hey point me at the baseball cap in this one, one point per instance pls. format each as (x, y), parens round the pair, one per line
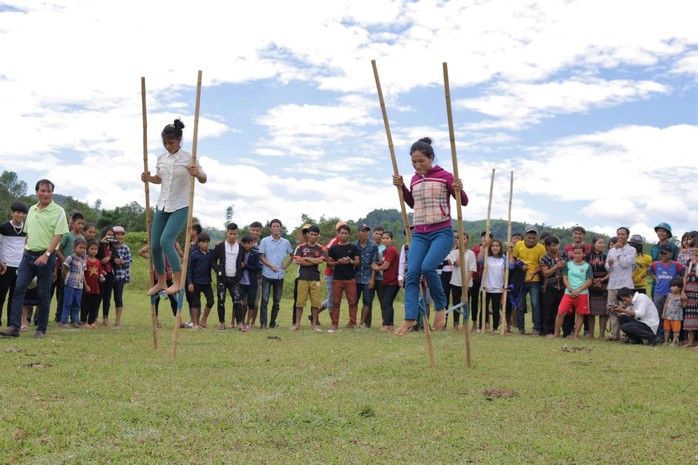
(531, 229)
(636, 239)
(118, 229)
(665, 248)
(364, 227)
(665, 226)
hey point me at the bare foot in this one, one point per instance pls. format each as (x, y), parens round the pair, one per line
(439, 319)
(173, 289)
(405, 326)
(155, 289)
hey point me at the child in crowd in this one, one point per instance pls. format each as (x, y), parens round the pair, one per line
(642, 264)
(598, 294)
(91, 298)
(121, 264)
(308, 256)
(494, 279)
(226, 260)
(457, 282)
(90, 232)
(672, 312)
(577, 277)
(249, 280)
(685, 251)
(12, 240)
(663, 272)
(553, 288)
(106, 288)
(390, 261)
(145, 253)
(76, 224)
(344, 257)
(199, 278)
(73, 276)
(690, 296)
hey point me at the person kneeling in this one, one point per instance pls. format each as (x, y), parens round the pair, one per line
(641, 320)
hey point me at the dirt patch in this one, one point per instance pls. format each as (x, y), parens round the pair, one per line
(38, 365)
(491, 394)
(568, 348)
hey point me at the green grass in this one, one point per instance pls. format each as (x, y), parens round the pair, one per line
(352, 397)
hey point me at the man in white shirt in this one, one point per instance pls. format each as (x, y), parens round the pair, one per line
(226, 261)
(640, 319)
(620, 262)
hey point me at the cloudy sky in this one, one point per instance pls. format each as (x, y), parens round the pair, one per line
(592, 104)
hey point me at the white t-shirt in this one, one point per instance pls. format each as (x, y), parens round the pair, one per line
(470, 265)
(645, 311)
(494, 282)
(173, 171)
(231, 258)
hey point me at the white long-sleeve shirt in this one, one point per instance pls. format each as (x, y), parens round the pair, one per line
(621, 272)
(173, 171)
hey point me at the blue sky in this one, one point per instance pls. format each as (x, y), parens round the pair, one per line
(592, 104)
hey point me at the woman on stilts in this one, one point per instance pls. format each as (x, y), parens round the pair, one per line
(174, 167)
(429, 195)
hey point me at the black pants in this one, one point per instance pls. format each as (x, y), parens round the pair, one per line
(494, 301)
(60, 286)
(474, 294)
(89, 307)
(170, 297)
(446, 284)
(456, 293)
(7, 283)
(295, 301)
(207, 291)
(550, 301)
(106, 288)
(229, 285)
(636, 330)
(389, 294)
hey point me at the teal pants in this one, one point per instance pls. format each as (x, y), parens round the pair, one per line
(166, 228)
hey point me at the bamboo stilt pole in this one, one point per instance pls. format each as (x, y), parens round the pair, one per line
(408, 233)
(187, 244)
(459, 210)
(508, 256)
(483, 278)
(148, 221)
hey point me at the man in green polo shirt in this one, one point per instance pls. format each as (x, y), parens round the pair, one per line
(45, 225)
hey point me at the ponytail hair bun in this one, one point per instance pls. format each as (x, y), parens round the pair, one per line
(423, 145)
(173, 130)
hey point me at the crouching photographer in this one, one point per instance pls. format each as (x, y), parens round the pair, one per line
(639, 319)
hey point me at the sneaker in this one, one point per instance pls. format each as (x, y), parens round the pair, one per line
(332, 329)
(317, 329)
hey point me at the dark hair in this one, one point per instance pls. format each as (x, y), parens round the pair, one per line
(79, 241)
(694, 242)
(551, 239)
(612, 240)
(378, 228)
(246, 239)
(624, 292)
(423, 145)
(173, 130)
(19, 207)
(388, 232)
(256, 224)
(544, 235)
(103, 232)
(518, 234)
(593, 241)
(484, 233)
(44, 181)
(501, 248)
(92, 242)
(196, 227)
(580, 229)
(203, 237)
(677, 282)
(624, 229)
(314, 229)
(90, 225)
(693, 234)
(578, 247)
(232, 227)
(344, 226)
(76, 216)
(637, 247)
(275, 220)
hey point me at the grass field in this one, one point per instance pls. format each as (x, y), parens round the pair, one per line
(356, 396)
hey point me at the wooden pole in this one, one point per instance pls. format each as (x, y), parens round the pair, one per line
(459, 210)
(405, 221)
(187, 244)
(483, 278)
(148, 221)
(508, 256)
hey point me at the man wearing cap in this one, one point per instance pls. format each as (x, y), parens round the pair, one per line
(530, 252)
(663, 231)
(45, 225)
(642, 263)
(11, 250)
(365, 275)
(619, 264)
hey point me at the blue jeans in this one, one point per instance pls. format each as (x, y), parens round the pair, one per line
(534, 289)
(267, 284)
(166, 228)
(25, 273)
(330, 295)
(427, 251)
(71, 304)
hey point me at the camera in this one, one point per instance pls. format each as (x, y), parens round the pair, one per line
(613, 307)
(110, 239)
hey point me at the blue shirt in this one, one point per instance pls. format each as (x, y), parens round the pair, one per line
(369, 255)
(199, 270)
(275, 251)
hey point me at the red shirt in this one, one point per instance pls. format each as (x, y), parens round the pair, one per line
(92, 274)
(391, 255)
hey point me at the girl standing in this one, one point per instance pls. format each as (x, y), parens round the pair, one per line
(172, 171)
(598, 294)
(429, 195)
(496, 265)
(690, 296)
(106, 287)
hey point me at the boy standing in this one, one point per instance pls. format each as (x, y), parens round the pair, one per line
(199, 279)
(365, 274)
(343, 257)
(11, 249)
(65, 249)
(272, 252)
(249, 280)
(308, 256)
(663, 272)
(551, 267)
(578, 277)
(226, 260)
(73, 277)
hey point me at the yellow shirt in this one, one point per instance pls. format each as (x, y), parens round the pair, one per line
(531, 257)
(642, 263)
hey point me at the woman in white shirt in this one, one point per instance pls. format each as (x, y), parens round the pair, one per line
(172, 173)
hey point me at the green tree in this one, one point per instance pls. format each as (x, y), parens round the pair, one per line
(11, 189)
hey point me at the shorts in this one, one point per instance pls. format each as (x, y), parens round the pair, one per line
(250, 293)
(309, 289)
(208, 293)
(366, 293)
(569, 304)
(672, 325)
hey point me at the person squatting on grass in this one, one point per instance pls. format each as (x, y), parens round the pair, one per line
(639, 319)
(172, 172)
(430, 190)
